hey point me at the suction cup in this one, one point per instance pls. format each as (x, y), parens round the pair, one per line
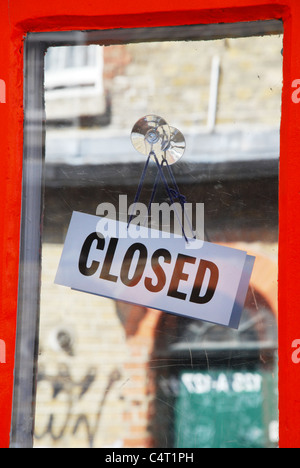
(175, 149)
(150, 133)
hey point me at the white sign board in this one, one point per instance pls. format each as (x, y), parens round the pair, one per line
(141, 266)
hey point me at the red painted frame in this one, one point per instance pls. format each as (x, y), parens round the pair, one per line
(19, 17)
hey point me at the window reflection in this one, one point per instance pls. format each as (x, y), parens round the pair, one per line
(117, 375)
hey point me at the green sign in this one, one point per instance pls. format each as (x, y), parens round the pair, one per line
(224, 409)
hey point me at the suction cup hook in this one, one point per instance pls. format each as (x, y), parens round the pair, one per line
(175, 149)
(152, 136)
(150, 133)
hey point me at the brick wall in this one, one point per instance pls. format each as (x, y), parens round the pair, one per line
(173, 80)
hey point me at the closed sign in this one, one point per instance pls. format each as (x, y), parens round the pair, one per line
(209, 283)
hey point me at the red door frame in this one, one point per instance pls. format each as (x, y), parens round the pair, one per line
(18, 17)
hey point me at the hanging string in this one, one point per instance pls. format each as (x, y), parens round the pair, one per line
(169, 191)
(178, 195)
(138, 193)
(173, 193)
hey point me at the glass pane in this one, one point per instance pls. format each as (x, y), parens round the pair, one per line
(112, 374)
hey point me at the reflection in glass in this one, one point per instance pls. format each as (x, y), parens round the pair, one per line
(116, 375)
(175, 148)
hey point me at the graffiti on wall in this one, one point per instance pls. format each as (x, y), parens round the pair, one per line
(70, 422)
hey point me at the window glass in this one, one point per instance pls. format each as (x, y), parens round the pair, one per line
(113, 374)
